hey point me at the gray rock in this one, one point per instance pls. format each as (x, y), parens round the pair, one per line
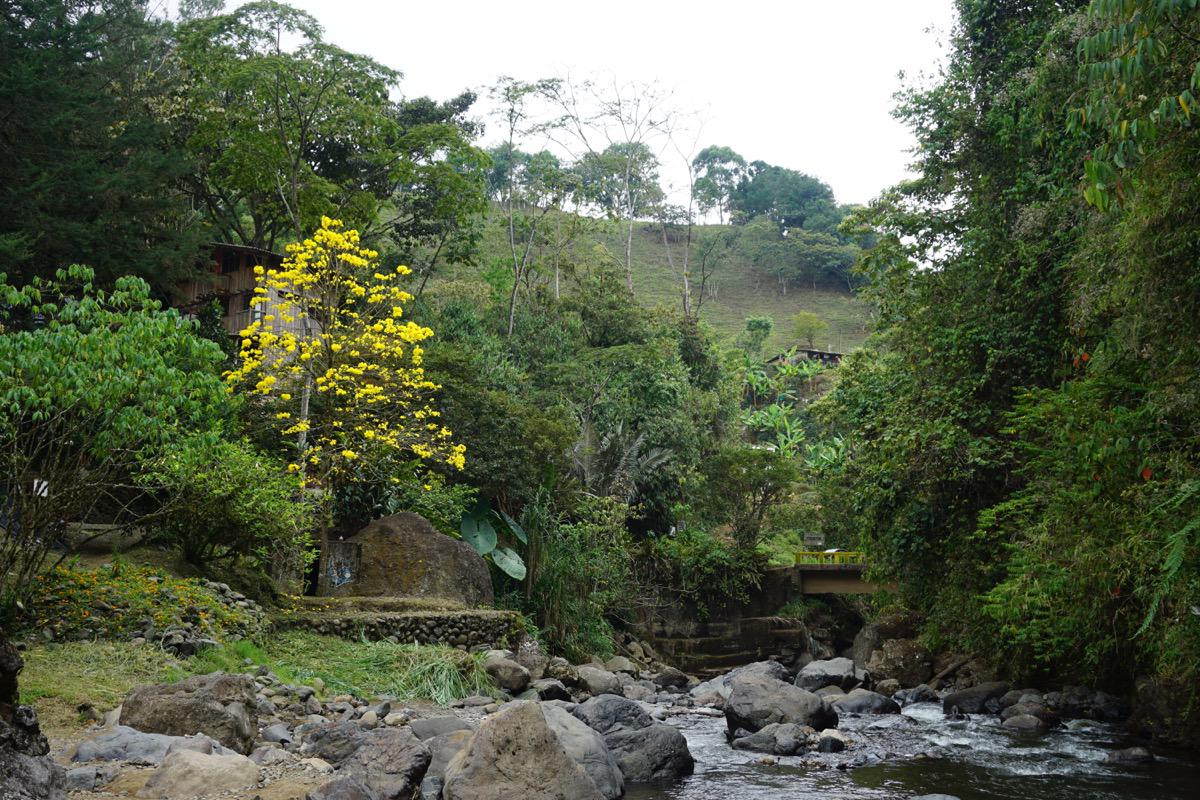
(974, 700)
(657, 753)
(1024, 722)
(887, 687)
(903, 660)
(442, 749)
(271, 756)
(430, 727)
(190, 774)
(391, 762)
(759, 700)
(621, 664)
(832, 672)
(1129, 756)
(638, 692)
(598, 681)
(550, 689)
(716, 691)
(123, 743)
(587, 749)
(786, 739)
(344, 788)
(866, 642)
(508, 674)
(608, 712)
(333, 741)
(219, 705)
(864, 701)
(918, 694)
(671, 678)
(515, 754)
(277, 733)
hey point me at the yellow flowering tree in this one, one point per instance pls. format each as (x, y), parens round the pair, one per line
(331, 352)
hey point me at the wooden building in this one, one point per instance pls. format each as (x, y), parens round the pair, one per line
(232, 285)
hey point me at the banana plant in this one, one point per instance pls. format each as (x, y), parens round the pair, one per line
(482, 528)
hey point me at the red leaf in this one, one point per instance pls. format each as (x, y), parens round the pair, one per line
(1146, 474)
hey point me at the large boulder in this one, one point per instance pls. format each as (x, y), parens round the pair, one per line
(864, 701)
(586, 748)
(657, 753)
(26, 771)
(404, 556)
(390, 762)
(123, 743)
(975, 699)
(866, 642)
(186, 773)
(515, 754)
(219, 705)
(757, 700)
(839, 672)
(904, 660)
(442, 750)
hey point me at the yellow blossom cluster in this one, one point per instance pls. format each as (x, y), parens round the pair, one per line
(331, 352)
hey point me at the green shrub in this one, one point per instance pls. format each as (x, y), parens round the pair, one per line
(116, 600)
(224, 501)
(709, 570)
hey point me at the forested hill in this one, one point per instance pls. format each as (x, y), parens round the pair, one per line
(739, 282)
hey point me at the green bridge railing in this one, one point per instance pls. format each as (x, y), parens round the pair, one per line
(820, 557)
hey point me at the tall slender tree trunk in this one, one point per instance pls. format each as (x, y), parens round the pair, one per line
(629, 255)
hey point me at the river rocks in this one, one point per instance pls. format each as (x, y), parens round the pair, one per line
(757, 700)
(598, 681)
(515, 754)
(832, 741)
(390, 762)
(866, 642)
(508, 674)
(188, 774)
(333, 742)
(561, 670)
(780, 739)
(220, 705)
(1130, 756)
(123, 743)
(975, 699)
(1030, 706)
(887, 687)
(839, 672)
(656, 753)
(864, 701)
(529, 654)
(587, 749)
(1078, 702)
(621, 664)
(903, 660)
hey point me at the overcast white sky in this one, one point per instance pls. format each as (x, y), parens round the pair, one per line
(803, 84)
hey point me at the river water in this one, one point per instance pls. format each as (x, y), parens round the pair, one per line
(921, 752)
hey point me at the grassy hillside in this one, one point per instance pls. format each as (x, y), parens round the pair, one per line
(739, 290)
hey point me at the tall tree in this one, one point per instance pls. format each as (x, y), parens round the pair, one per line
(88, 171)
(718, 175)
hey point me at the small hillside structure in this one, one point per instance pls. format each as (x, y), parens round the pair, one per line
(231, 284)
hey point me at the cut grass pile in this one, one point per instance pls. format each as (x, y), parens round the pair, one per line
(62, 678)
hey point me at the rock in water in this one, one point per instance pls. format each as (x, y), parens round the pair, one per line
(657, 753)
(833, 672)
(1130, 755)
(598, 681)
(609, 712)
(218, 705)
(757, 700)
(864, 701)
(587, 749)
(975, 699)
(787, 739)
(515, 755)
(904, 660)
(190, 774)
(403, 555)
(26, 771)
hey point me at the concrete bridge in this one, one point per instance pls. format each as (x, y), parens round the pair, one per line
(831, 572)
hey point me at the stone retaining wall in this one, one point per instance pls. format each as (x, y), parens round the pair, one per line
(465, 629)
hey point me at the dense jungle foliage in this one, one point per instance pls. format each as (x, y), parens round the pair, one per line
(1022, 432)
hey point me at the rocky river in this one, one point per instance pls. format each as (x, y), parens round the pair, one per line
(923, 752)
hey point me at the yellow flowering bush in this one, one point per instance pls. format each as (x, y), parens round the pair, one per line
(340, 365)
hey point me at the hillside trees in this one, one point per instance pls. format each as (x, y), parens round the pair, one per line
(719, 172)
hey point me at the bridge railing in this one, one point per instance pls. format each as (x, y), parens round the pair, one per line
(821, 557)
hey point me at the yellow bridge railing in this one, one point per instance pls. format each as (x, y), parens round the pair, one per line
(820, 557)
